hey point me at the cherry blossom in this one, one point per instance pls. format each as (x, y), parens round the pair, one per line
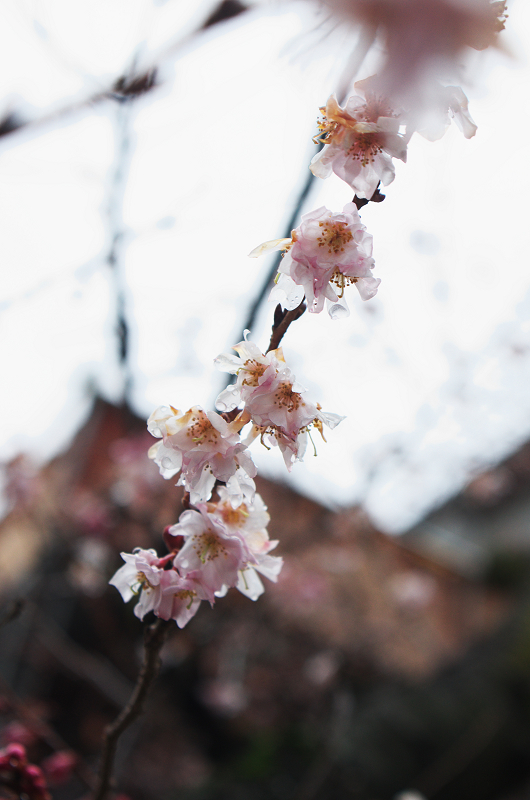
(204, 447)
(213, 552)
(20, 778)
(293, 446)
(257, 373)
(140, 576)
(326, 253)
(266, 386)
(181, 596)
(250, 522)
(281, 416)
(430, 110)
(424, 39)
(446, 103)
(164, 591)
(360, 141)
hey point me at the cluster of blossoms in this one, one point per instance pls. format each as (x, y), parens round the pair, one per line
(360, 141)
(326, 253)
(330, 251)
(223, 543)
(212, 548)
(24, 779)
(272, 399)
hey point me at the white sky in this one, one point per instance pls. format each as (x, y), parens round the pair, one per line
(432, 374)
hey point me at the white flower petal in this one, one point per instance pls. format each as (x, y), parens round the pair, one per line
(267, 247)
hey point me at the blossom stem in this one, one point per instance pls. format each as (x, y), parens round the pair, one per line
(282, 322)
(154, 638)
(377, 197)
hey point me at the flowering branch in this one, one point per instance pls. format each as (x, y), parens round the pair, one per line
(220, 541)
(154, 638)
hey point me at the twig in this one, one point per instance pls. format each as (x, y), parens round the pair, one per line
(155, 636)
(377, 197)
(282, 320)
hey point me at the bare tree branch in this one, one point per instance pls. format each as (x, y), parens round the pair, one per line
(282, 320)
(154, 638)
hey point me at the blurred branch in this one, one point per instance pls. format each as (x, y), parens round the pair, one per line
(125, 87)
(154, 638)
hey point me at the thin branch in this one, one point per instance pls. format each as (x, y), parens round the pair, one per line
(154, 638)
(377, 197)
(282, 320)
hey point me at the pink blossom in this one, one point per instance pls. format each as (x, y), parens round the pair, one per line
(273, 400)
(294, 445)
(204, 447)
(22, 779)
(267, 387)
(291, 447)
(59, 766)
(166, 592)
(213, 553)
(445, 103)
(181, 596)
(257, 373)
(327, 253)
(250, 522)
(140, 575)
(360, 141)
(424, 38)
(430, 109)
(283, 408)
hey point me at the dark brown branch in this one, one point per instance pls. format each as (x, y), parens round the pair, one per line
(154, 638)
(377, 197)
(282, 322)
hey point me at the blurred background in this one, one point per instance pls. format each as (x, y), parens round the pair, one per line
(145, 148)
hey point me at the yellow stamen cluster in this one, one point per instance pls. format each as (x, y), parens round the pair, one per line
(341, 281)
(284, 397)
(336, 123)
(327, 129)
(208, 546)
(201, 431)
(186, 594)
(334, 236)
(141, 583)
(234, 517)
(366, 147)
(254, 372)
